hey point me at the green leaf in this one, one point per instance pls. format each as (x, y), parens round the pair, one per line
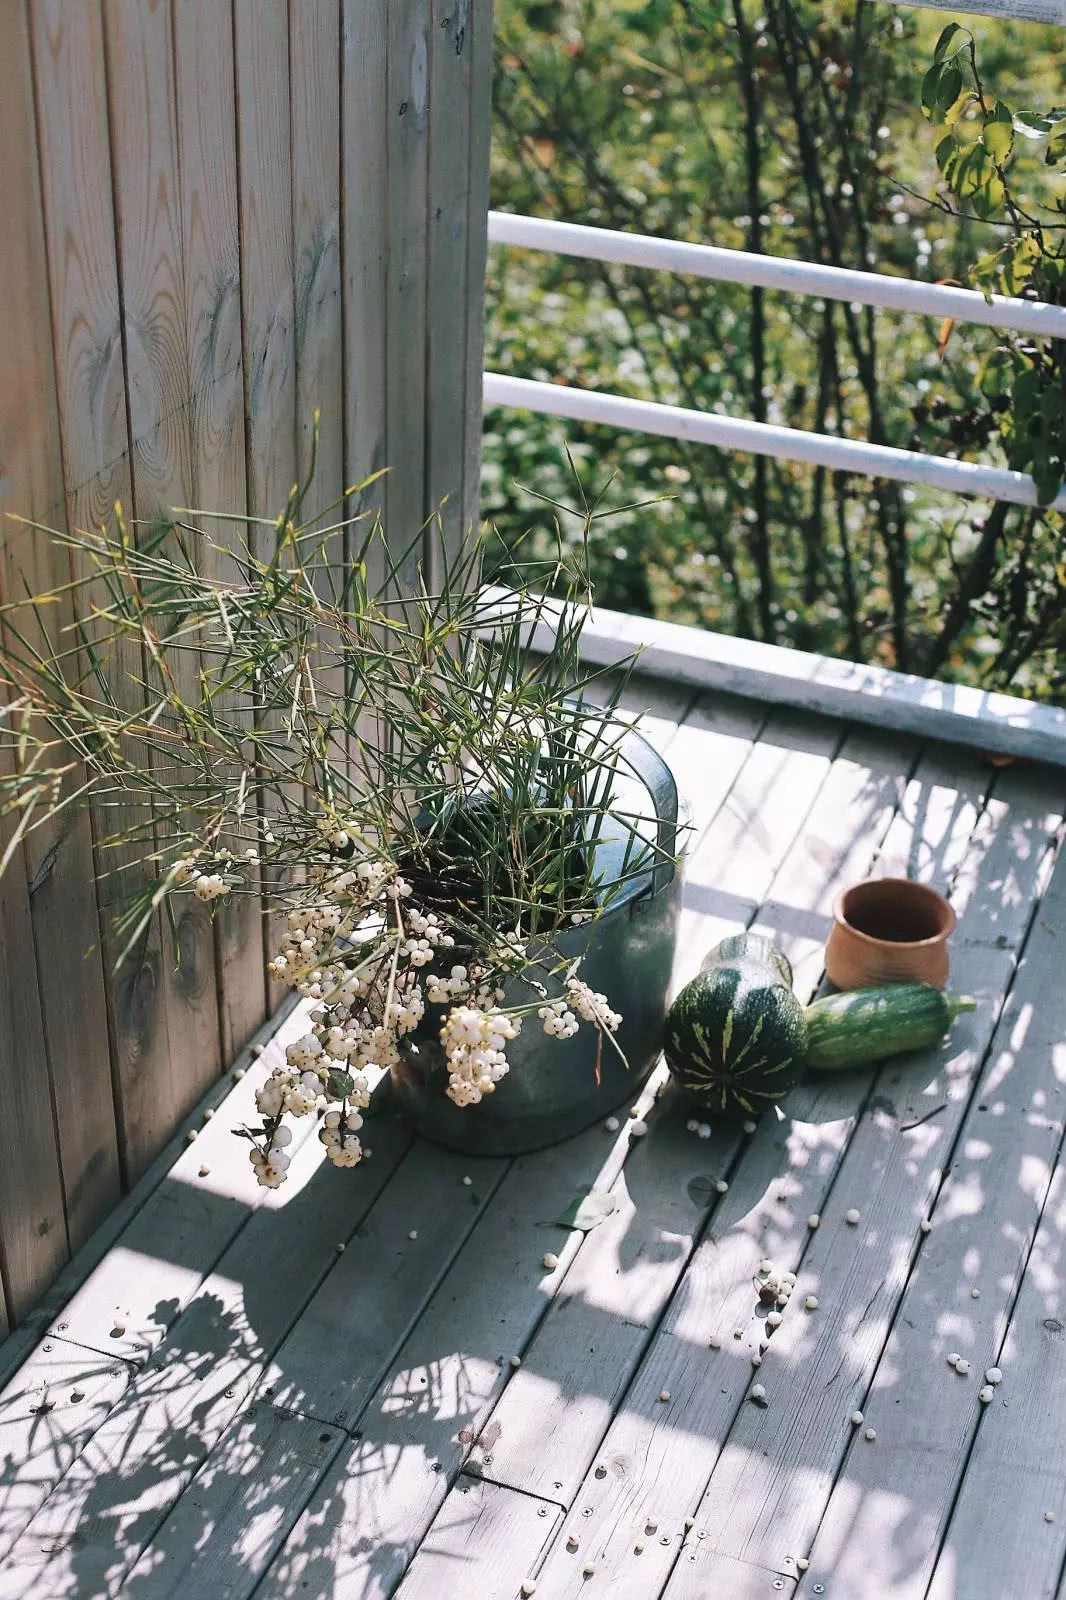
(996, 373)
(340, 1084)
(987, 200)
(998, 134)
(947, 156)
(931, 90)
(944, 43)
(966, 130)
(948, 89)
(588, 1211)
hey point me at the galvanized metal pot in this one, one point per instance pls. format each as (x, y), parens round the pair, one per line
(553, 1089)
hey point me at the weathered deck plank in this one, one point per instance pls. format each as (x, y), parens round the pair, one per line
(557, 1408)
(238, 1510)
(481, 1535)
(48, 1413)
(1017, 1469)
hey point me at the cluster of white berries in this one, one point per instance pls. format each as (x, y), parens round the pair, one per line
(339, 1133)
(210, 886)
(474, 1042)
(592, 1005)
(294, 1088)
(559, 1021)
(272, 1164)
(439, 991)
(205, 885)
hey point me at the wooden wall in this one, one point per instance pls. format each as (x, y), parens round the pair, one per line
(218, 215)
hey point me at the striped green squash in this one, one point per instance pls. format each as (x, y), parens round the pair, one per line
(736, 1036)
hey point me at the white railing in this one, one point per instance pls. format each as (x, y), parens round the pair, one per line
(777, 272)
(794, 277)
(708, 660)
(764, 439)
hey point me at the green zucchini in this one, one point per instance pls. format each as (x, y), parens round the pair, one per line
(865, 1025)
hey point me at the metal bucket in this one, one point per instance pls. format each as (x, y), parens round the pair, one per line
(553, 1090)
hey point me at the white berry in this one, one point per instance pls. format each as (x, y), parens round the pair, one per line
(550, 1262)
(986, 1394)
(638, 1128)
(856, 1419)
(852, 1217)
(993, 1375)
(870, 1435)
(814, 1220)
(811, 1302)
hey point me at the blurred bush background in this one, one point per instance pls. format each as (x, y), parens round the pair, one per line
(797, 129)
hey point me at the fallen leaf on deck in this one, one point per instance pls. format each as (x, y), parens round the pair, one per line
(587, 1211)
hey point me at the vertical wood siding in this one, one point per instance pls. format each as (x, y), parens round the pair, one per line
(221, 217)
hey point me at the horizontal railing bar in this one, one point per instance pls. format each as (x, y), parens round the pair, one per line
(765, 439)
(778, 272)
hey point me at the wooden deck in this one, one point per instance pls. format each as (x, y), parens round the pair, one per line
(218, 1400)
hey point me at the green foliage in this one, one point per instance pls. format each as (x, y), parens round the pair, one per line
(1023, 382)
(793, 128)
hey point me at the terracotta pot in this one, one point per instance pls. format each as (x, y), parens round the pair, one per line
(889, 930)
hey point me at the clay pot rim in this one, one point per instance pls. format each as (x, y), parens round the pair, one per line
(911, 885)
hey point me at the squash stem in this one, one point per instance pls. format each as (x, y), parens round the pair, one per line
(957, 1003)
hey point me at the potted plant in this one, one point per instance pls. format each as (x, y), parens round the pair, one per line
(468, 855)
